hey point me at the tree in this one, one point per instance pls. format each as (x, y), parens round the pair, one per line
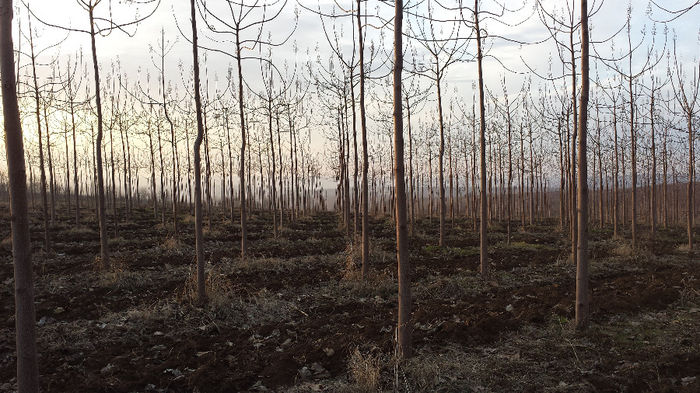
(365, 160)
(25, 315)
(37, 98)
(483, 243)
(444, 49)
(72, 85)
(89, 7)
(245, 24)
(582, 301)
(687, 94)
(631, 76)
(404, 323)
(199, 233)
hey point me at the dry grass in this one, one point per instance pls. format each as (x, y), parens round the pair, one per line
(6, 243)
(218, 288)
(431, 371)
(623, 249)
(171, 243)
(118, 275)
(117, 241)
(455, 286)
(352, 256)
(222, 302)
(378, 285)
(117, 265)
(683, 247)
(188, 219)
(365, 371)
(79, 232)
(160, 311)
(353, 262)
(688, 293)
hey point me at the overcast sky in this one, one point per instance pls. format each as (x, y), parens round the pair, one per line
(134, 52)
(309, 41)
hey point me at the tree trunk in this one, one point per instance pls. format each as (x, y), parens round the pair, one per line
(199, 241)
(363, 125)
(482, 142)
(75, 162)
(25, 315)
(652, 188)
(582, 299)
(244, 226)
(691, 180)
(404, 322)
(441, 158)
(42, 172)
(633, 163)
(52, 182)
(616, 191)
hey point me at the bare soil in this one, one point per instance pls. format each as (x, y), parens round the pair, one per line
(295, 316)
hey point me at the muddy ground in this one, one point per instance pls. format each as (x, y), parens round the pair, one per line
(296, 316)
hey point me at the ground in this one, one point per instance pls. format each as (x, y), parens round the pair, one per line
(296, 316)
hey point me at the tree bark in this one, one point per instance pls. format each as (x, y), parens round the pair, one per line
(104, 248)
(244, 226)
(42, 171)
(404, 324)
(199, 241)
(582, 299)
(25, 315)
(363, 125)
(484, 267)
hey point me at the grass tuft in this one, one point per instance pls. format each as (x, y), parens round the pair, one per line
(365, 371)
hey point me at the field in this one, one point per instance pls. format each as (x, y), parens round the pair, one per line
(296, 316)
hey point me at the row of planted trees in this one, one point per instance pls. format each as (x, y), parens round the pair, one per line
(140, 148)
(293, 139)
(148, 137)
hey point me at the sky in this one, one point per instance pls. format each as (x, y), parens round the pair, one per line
(509, 60)
(133, 52)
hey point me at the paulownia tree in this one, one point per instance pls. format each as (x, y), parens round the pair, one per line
(101, 26)
(244, 25)
(25, 316)
(445, 47)
(686, 91)
(198, 232)
(404, 322)
(582, 299)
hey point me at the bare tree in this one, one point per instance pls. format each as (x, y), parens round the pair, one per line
(483, 244)
(687, 94)
(42, 171)
(444, 49)
(199, 241)
(105, 27)
(245, 24)
(25, 316)
(404, 323)
(582, 300)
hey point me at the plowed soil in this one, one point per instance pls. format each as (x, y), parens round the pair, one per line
(294, 313)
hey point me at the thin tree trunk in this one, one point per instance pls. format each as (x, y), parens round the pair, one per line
(441, 158)
(199, 241)
(582, 296)
(42, 172)
(404, 322)
(75, 160)
(482, 142)
(52, 182)
(244, 226)
(363, 125)
(691, 180)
